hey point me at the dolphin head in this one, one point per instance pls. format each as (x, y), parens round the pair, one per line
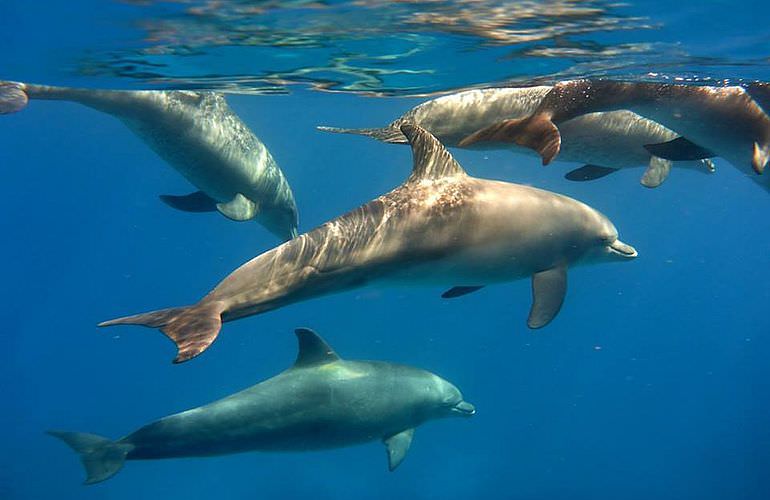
(605, 245)
(447, 401)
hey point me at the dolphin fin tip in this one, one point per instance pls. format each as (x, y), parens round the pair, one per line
(13, 98)
(760, 157)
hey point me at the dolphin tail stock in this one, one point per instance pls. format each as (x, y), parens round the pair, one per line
(536, 132)
(192, 328)
(388, 134)
(101, 457)
(14, 96)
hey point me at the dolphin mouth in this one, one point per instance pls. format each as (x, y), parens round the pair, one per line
(464, 408)
(622, 249)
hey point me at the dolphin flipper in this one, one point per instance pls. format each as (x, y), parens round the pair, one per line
(548, 290)
(459, 291)
(679, 149)
(193, 202)
(101, 457)
(398, 445)
(238, 209)
(760, 157)
(657, 172)
(589, 173)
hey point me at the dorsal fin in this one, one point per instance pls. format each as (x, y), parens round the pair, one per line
(431, 159)
(313, 350)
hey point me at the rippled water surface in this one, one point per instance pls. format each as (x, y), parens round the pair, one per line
(651, 383)
(383, 47)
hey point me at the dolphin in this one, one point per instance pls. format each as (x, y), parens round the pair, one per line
(441, 227)
(320, 402)
(201, 137)
(719, 121)
(605, 142)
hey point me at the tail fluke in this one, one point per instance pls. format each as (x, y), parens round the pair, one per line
(385, 134)
(13, 98)
(192, 328)
(101, 457)
(536, 132)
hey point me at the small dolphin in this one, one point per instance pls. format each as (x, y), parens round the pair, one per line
(605, 142)
(201, 137)
(721, 121)
(321, 402)
(440, 227)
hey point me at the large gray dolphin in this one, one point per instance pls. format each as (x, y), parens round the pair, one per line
(440, 227)
(321, 402)
(201, 137)
(605, 142)
(722, 121)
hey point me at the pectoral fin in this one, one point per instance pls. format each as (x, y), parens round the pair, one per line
(760, 157)
(657, 172)
(239, 208)
(548, 290)
(398, 445)
(459, 291)
(193, 202)
(679, 149)
(589, 173)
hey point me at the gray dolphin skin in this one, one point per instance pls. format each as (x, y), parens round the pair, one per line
(321, 402)
(198, 135)
(604, 142)
(760, 92)
(440, 227)
(721, 121)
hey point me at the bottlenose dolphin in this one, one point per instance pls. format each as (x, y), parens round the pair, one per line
(321, 402)
(201, 137)
(721, 121)
(440, 227)
(605, 142)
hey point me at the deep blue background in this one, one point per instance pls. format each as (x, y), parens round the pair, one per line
(651, 383)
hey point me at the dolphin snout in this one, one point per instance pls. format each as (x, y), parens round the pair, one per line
(622, 249)
(464, 408)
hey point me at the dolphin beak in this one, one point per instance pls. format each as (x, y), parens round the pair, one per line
(464, 408)
(623, 250)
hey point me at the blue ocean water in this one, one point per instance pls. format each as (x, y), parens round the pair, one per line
(651, 383)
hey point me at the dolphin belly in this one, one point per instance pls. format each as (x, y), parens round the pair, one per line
(473, 266)
(200, 441)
